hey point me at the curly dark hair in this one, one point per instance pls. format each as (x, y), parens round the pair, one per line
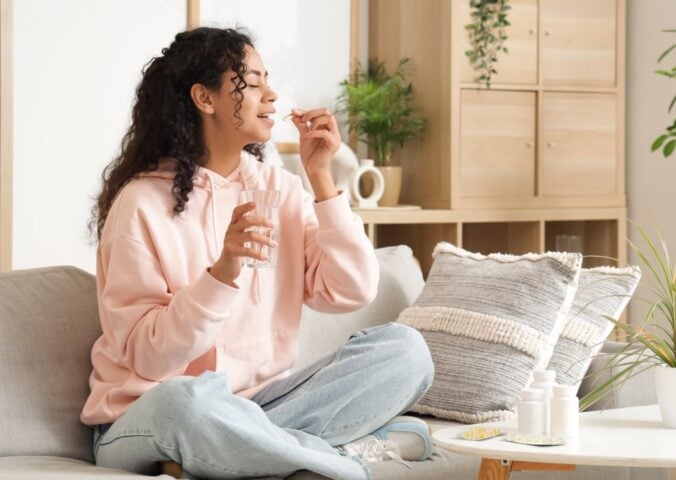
(165, 121)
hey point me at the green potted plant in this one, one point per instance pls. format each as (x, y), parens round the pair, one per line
(667, 140)
(379, 108)
(653, 342)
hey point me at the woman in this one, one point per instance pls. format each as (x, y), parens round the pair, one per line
(193, 364)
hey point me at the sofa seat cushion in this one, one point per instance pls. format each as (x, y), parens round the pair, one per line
(60, 468)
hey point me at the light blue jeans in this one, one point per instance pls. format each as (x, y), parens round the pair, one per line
(293, 424)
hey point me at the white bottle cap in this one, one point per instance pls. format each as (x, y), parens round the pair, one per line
(564, 390)
(531, 394)
(544, 375)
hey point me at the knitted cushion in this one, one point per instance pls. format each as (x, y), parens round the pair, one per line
(603, 292)
(489, 321)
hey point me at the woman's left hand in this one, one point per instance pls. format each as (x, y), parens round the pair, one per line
(319, 139)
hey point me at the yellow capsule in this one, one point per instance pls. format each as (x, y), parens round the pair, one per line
(481, 433)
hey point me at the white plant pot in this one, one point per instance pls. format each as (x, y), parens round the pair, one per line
(665, 384)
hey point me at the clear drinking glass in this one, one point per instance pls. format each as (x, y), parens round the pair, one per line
(267, 205)
(568, 243)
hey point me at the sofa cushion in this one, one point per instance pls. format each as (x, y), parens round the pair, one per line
(635, 390)
(400, 283)
(49, 321)
(442, 465)
(602, 292)
(489, 322)
(59, 468)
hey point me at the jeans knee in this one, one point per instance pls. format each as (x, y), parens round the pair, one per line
(170, 399)
(178, 401)
(412, 346)
(421, 356)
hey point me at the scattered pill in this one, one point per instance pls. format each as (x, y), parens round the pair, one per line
(481, 433)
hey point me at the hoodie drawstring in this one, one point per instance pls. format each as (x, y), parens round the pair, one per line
(256, 291)
(256, 285)
(213, 218)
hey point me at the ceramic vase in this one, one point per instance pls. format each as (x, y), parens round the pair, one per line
(366, 169)
(665, 384)
(392, 176)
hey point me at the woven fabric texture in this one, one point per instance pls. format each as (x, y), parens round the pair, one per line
(489, 322)
(602, 293)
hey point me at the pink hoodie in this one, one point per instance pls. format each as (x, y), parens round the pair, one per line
(162, 314)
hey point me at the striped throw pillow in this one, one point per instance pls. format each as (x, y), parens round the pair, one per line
(489, 322)
(602, 292)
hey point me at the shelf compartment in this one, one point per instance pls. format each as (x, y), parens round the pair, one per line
(515, 238)
(599, 239)
(422, 238)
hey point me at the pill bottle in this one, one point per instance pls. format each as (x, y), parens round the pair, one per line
(565, 411)
(544, 380)
(530, 412)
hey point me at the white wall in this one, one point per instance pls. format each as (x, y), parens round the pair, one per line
(650, 177)
(77, 63)
(304, 44)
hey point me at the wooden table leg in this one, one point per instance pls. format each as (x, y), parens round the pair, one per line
(172, 469)
(556, 467)
(492, 469)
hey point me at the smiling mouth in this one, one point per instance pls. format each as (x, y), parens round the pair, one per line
(266, 118)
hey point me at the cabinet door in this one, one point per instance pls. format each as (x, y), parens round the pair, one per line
(497, 140)
(519, 65)
(578, 42)
(579, 144)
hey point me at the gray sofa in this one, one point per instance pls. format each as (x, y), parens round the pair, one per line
(48, 322)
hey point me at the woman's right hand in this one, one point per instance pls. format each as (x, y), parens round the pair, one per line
(229, 265)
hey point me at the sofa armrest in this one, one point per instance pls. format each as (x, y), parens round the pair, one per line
(637, 390)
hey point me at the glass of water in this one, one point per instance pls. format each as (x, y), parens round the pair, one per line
(267, 205)
(569, 243)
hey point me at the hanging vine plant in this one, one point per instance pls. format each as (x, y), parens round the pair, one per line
(487, 36)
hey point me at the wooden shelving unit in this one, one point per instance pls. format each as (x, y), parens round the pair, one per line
(507, 231)
(538, 155)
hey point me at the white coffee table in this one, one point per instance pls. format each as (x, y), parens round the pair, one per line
(622, 437)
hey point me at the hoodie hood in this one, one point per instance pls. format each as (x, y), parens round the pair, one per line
(245, 173)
